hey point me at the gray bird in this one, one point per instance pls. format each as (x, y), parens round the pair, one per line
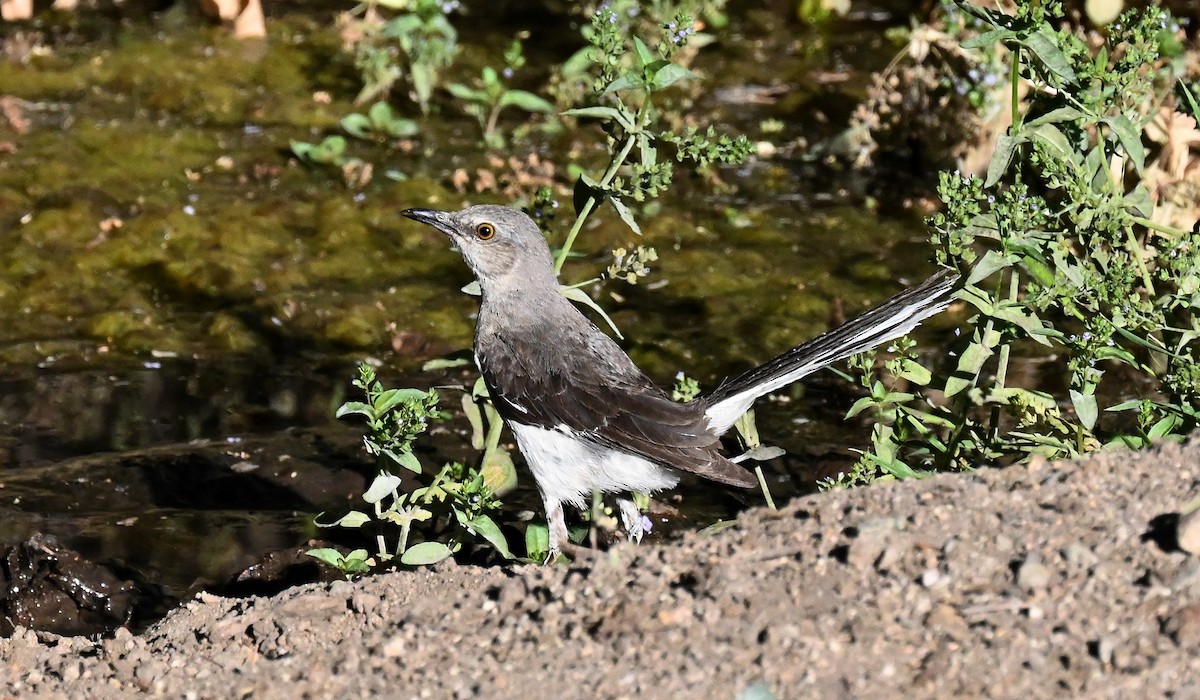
(585, 417)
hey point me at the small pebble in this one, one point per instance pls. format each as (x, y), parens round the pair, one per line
(1033, 575)
(394, 647)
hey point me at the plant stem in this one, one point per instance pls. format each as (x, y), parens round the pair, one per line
(592, 201)
(762, 484)
(380, 542)
(493, 118)
(404, 527)
(1013, 77)
(1161, 228)
(495, 426)
(1014, 286)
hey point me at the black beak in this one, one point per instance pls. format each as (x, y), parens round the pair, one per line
(437, 219)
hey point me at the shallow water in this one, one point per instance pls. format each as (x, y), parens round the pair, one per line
(175, 286)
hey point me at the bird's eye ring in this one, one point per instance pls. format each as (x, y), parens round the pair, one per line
(485, 231)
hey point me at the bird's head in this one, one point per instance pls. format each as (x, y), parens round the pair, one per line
(501, 245)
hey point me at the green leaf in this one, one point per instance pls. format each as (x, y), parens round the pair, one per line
(328, 152)
(649, 154)
(357, 125)
(644, 54)
(747, 428)
(381, 487)
(1166, 426)
(352, 519)
(861, 405)
(526, 101)
(915, 373)
(1016, 314)
(487, 528)
(625, 82)
(499, 472)
(425, 553)
(670, 74)
(355, 408)
(603, 113)
(1138, 340)
(1055, 141)
(719, 526)
(475, 418)
(537, 541)
(1129, 405)
(1039, 270)
(578, 295)
(402, 128)
(1138, 201)
(327, 555)
(405, 459)
(380, 113)
(625, 214)
(491, 79)
(463, 92)
(1044, 44)
(1085, 408)
(988, 38)
(578, 63)
(1062, 114)
(1189, 98)
(1130, 137)
(1006, 146)
(762, 453)
(479, 389)
(992, 262)
(389, 399)
(969, 365)
(421, 76)
(441, 363)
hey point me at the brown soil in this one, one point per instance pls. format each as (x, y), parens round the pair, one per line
(1056, 580)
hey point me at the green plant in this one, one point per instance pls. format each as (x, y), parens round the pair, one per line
(418, 43)
(331, 152)
(487, 101)
(448, 508)
(380, 122)
(1061, 246)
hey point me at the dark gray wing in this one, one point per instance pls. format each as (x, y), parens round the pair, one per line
(596, 392)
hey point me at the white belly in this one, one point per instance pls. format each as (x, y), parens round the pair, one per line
(568, 470)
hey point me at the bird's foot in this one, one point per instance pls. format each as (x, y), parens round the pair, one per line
(635, 523)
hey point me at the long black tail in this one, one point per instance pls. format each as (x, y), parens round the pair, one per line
(891, 319)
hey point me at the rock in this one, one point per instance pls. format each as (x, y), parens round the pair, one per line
(1103, 650)
(1183, 626)
(1033, 575)
(1187, 532)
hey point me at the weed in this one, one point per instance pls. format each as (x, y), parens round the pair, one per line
(1062, 246)
(447, 508)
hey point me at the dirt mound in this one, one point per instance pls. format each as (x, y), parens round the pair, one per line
(1055, 580)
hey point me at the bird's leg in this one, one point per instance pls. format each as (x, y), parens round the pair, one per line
(631, 517)
(556, 523)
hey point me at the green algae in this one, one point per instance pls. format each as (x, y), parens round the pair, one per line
(154, 208)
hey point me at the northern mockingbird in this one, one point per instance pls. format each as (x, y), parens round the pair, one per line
(585, 417)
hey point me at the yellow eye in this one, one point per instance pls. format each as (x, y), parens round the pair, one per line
(485, 231)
